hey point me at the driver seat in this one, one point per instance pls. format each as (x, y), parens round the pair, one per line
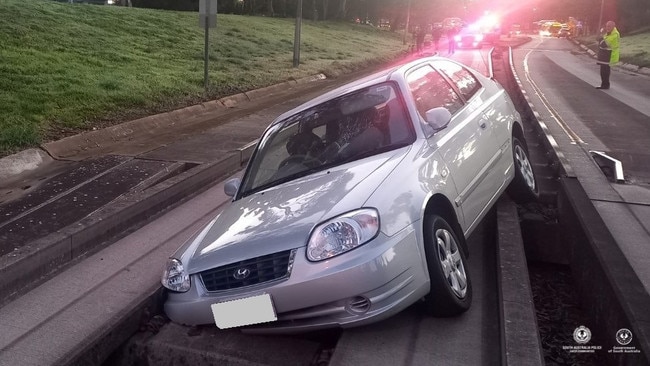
(304, 143)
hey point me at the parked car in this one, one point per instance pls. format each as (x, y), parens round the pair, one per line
(515, 30)
(550, 29)
(356, 205)
(470, 37)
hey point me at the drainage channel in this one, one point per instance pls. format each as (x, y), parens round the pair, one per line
(558, 310)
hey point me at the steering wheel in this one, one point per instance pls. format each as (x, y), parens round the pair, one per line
(293, 159)
(330, 152)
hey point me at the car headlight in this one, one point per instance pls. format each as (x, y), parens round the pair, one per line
(175, 277)
(342, 233)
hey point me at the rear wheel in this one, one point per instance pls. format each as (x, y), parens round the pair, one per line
(524, 186)
(451, 288)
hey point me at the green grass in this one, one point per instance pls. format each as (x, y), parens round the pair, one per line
(635, 49)
(66, 68)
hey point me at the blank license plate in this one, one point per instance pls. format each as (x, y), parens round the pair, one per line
(246, 311)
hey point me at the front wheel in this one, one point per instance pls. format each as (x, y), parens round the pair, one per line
(524, 186)
(451, 288)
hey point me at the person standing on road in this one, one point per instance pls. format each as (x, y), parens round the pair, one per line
(436, 34)
(419, 39)
(451, 33)
(608, 52)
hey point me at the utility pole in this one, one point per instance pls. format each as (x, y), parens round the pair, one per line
(206, 53)
(296, 37)
(207, 20)
(408, 19)
(600, 19)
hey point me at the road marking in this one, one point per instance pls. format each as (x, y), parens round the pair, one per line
(556, 116)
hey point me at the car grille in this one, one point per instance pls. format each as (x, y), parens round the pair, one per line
(249, 272)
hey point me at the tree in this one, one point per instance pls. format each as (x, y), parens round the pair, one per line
(341, 13)
(633, 15)
(314, 10)
(283, 5)
(269, 8)
(326, 4)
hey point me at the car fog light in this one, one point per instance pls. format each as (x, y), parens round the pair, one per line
(175, 278)
(358, 305)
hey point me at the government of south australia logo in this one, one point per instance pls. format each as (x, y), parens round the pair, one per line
(582, 334)
(623, 336)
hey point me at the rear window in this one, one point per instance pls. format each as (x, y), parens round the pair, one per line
(465, 81)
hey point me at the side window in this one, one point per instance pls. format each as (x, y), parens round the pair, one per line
(431, 90)
(463, 78)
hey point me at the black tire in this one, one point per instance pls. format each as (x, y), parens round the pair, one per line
(451, 288)
(524, 187)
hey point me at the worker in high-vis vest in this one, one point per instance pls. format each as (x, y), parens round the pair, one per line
(608, 52)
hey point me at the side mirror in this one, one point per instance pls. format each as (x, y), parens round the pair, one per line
(438, 118)
(231, 187)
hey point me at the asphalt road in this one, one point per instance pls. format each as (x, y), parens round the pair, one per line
(560, 80)
(561, 77)
(609, 261)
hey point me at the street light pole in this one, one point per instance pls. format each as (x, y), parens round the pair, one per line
(206, 53)
(296, 38)
(600, 19)
(408, 18)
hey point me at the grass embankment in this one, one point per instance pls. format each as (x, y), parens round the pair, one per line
(65, 68)
(635, 47)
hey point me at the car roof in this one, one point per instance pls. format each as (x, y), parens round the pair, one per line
(372, 79)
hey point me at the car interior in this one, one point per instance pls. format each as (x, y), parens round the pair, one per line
(343, 130)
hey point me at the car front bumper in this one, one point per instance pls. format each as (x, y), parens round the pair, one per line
(369, 283)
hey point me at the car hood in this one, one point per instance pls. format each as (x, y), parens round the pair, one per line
(282, 217)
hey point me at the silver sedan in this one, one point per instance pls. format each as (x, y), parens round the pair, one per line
(356, 205)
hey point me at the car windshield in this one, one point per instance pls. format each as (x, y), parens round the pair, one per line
(353, 126)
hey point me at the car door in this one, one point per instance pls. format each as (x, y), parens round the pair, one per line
(493, 122)
(465, 144)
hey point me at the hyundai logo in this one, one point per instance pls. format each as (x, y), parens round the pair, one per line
(241, 273)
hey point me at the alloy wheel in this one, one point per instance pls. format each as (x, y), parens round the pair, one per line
(523, 164)
(451, 262)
